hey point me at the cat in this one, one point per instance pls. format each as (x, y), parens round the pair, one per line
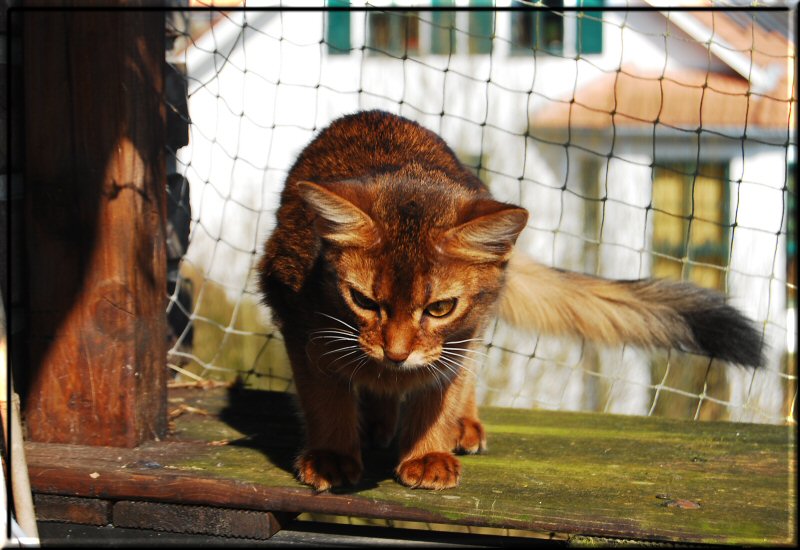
(388, 260)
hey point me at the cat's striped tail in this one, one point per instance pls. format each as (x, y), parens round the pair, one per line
(647, 312)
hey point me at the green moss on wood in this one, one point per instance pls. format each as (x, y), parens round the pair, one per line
(563, 472)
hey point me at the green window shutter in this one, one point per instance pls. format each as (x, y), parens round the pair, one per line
(443, 35)
(548, 27)
(523, 32)
(590, 28)
(338, 28)
(481, 27)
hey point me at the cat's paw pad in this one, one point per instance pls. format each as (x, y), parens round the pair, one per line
(325, 469)
(471, 437)
(430, 471)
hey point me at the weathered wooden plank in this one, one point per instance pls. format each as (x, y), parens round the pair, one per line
(95, 226)
(203, 520)
(156, 471)
(567, 473)
(86, 511)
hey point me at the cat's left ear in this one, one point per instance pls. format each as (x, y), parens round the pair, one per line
(338, 220)
(488, 236)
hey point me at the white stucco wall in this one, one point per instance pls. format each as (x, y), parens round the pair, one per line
(756, 279)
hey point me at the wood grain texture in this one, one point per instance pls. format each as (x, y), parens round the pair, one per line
(86, 511)
(95, 226)
(204, 520)
(550, 472)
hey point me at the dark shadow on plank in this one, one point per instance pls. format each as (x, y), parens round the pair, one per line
(272, 424)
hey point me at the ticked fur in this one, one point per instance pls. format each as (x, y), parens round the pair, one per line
(388, 260)
(647, 313)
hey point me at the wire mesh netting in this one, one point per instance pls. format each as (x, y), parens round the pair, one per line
(643, 141)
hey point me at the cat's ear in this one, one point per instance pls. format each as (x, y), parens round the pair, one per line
(488, 235)
(338, 220)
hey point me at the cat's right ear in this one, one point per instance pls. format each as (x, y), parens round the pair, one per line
(489, 236)
(338, 220)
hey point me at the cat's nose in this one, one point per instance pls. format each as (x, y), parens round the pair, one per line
(396, 355)
(398, 338)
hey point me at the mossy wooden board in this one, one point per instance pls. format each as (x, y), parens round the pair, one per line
(573, 473)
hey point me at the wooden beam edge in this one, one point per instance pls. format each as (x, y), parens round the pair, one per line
(133, 479)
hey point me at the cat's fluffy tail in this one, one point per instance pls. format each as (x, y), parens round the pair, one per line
(647, 312)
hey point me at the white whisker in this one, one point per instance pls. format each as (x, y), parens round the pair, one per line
(338, 321)
(457, 354)
(343, 333)
(346, 348)
(348, 354)
(461, 357)
(467, 350)
(351, 361)
(358, 366)
(435, 374)
(453, 356)
(334, 339)
(447, 361)
(451, 366)
(333, 332)
(467, 340)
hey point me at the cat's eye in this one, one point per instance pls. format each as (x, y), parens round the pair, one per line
(441, 308)
(362, 301)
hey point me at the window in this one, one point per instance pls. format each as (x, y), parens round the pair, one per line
(481, 28)
(590, 28)
(337, 28)
(538, 29)
(544, 29)
(398, 32)
(690, 223)
(443, 34)
(395, 33)
(522, 34)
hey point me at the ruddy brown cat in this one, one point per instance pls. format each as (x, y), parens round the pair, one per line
(388, 259)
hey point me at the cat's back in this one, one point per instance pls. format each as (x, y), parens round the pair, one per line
(372, 142)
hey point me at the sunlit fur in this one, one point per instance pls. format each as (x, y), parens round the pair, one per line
(378, 212)
(647, 313)
(378, 225)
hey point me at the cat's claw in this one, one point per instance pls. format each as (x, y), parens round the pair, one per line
(472, 437)
(326, 469)
(430, 471)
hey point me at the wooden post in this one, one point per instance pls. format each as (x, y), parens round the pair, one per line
(95, 225)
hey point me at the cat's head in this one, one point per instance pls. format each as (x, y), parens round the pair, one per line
(417, 261)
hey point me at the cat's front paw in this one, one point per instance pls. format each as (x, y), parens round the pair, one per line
(430, 471)
(471, 437)
(325, 469)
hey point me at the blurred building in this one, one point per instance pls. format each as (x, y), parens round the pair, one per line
(644, 143)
